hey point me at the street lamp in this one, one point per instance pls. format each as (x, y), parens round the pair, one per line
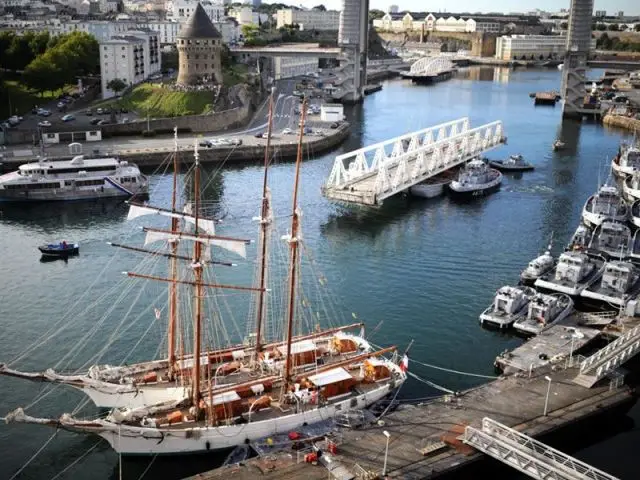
(546, 400)
(386, 452)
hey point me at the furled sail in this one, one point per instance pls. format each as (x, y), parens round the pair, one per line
(136, 211)
(236, 246)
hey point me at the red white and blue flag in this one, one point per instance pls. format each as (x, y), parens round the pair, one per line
(404, 363)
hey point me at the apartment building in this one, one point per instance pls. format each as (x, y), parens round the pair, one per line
(527, 47)
(308, 19)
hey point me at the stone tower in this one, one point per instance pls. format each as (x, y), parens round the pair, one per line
(199, 50)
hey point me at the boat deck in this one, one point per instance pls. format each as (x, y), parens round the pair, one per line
(425, 439)
(553, 343)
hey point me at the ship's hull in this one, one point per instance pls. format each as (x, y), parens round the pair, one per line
(67, 195)
(592, 220)
(527, 329)
(425, 190)
(571, 290)
(135, 440)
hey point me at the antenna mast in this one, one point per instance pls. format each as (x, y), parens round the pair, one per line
(265, 220)
(173, 290)
(295, 220)
(197, 270)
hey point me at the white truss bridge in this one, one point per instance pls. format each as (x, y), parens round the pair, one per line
(527, 455)
(429, 66)
(370, 175)
(607, 359)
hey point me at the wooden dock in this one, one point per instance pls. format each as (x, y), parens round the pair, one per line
(425, 440)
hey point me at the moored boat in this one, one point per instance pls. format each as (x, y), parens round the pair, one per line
(574, 272)
(620, 280)
(77, 179)
(606, 204)
(434, 186)
(544, 310)
(515, 163)
(538, 266)
(627, 161)
(613, 239)
(581, 238)
(476, 179)
(507, 306)
(635, 213)
(631, 187)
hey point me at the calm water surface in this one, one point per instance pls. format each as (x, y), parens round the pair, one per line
(420, 270)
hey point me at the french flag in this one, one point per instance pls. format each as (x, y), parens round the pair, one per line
(404, 364)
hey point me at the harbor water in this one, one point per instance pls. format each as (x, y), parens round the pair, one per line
(419, 270)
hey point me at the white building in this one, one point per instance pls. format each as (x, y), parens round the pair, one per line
(167, 31)
(131, 58)
(308, 19)
(331, 112)
(181, 10)
(431, 23)
(246, 16)
(229, 29)
(527, 47)
(286, 67)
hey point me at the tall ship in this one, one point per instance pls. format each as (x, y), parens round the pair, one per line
(77, 179)
(244, 393)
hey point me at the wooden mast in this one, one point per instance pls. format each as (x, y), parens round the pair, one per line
(197, 269)
(293, 242)
(265, 214)
(173, 290)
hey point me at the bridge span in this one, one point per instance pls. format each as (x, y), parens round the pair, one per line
(369, 175)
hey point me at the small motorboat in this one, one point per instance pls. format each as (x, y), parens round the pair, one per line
(476, 179)
(62, 249)
(574, 272)
(544, 310)
(620, 281)
(434, 186)
(612, 239)
(515, 163)
(538, 266)
(558, 145)
(508, 305)
(606, 204)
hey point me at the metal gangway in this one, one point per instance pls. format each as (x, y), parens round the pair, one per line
(527, 455)
(369, 175)
(607, 359)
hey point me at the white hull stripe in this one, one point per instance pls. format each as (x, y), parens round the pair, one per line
(119, 186)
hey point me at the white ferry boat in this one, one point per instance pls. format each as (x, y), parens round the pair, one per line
(77, 179)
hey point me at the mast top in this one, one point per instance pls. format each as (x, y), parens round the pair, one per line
(196, 155)
(175, 138)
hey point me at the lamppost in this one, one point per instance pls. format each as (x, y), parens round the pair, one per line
(386, 452)
(546, 400)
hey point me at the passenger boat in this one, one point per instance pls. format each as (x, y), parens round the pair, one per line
(538, 266)
(508, 305)
(515, 163)
(77, 179)
(613, 239)
(476, 179)
(558, 145)
(277, 388)
(607, 204)
(581, 238)
(574, 272)
(627, 161)
(544, 310)
(434, 186)
(62, 249)
(631, 187)
(620, 280)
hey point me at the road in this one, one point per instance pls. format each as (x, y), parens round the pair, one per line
(284, 117)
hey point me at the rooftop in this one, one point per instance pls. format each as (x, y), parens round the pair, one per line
(199, 26)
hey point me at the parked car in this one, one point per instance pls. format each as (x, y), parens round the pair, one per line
(68, 118)
(206, 143)
(334, 125)
(308, 131)
(287, 131)
(44, 112)
(88, 112)
(14, 120)
(100, 111)
(258, 135)
(95, 121)
(44, 123)
(236, 141)
(61, 105)
(103, 122)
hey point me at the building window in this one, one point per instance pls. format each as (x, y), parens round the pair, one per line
(197, 67)
(197, 56)
(205, 66)
(123, 48)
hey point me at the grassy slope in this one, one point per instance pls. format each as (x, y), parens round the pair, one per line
(21, 99)
(160, 102)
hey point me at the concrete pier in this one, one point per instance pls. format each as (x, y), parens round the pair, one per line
(425, 440)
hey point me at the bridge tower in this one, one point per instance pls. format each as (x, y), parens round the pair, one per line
(353, 38)
(575, 63)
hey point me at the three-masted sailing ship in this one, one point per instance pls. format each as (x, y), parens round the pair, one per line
(241, 393)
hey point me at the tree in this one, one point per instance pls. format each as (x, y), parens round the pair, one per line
(43, 75)
(320, 8)
(613, 27)
(375, 14)
(601, 27)
(564, 25)
(636, 27)
(116, 85)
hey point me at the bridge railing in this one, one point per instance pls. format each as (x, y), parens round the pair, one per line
(433, 158)
(360, 163)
